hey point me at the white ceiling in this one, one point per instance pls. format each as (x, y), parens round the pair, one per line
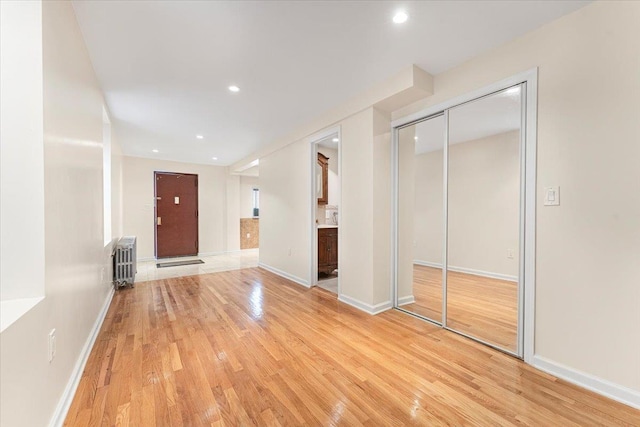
(488, 116)
(165, 66)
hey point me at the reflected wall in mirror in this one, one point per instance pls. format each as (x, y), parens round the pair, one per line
(484, 218)
(420, 217)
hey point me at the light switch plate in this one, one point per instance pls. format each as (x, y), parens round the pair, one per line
(552, 196)
(176, 200)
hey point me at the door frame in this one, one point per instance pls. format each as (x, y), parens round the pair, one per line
(155, 212)
(528, 139)
(312, 142)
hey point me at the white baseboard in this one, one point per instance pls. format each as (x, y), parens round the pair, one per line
(59, 415)
(367, 308)
(284, 274)
(427, 263)
(471, 271)
(606, 388)
(410, 299)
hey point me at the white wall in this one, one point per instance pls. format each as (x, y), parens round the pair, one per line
(484, 196)
(30, 386)
(588, 248)
(355, 255)
(116, 187)
(428, 207)
(138, 203)
(484, 204)
(285, 188)
(247, 184)
(232, 219)
(21, 168)
(381, 209)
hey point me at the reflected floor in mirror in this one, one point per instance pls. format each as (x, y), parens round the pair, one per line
(248, 347)
(483, 307)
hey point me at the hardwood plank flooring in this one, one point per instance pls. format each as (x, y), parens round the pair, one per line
(482, 307)
(247, 347)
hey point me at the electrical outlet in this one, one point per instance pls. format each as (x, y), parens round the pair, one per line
(510, 253)
(248, 235)
(52, 345)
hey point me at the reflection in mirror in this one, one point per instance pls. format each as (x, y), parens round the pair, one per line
(319, 180)
(420, 217)
(484, 218)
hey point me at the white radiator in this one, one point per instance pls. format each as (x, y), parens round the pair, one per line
(124, 262)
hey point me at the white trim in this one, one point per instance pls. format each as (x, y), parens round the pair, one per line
(528, 290)
(394, 216)
(471, 271)
(590, 382)
(363, 306)
(409, 299)
(445, 218)
(427, 263)
(59, 415)
(284, 274)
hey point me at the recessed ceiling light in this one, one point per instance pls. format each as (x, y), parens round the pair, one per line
(400, 17)
(155, 151)
(415, 137)
(234, 88)
(199, 136)
(214, 158)
(335, 140)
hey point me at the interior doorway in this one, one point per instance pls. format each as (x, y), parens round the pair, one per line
(176, 214)
(325, 208)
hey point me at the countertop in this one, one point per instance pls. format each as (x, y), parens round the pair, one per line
(327, 226)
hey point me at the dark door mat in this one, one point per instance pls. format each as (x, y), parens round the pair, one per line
(179, 263)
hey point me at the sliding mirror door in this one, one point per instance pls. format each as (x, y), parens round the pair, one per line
(484, 217)
(420, 218)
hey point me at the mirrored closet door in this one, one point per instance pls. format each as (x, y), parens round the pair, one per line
(483, 220)
(420, 217)
(460, 208)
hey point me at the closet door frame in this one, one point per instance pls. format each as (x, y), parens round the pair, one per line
(528, 135)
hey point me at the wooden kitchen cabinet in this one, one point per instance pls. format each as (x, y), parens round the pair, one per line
(327, 250)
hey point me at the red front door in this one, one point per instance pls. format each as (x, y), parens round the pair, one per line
(176, 214)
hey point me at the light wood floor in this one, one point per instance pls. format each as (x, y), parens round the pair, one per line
(478, 306)
(247, 347)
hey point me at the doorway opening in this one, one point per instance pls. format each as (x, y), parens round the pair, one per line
(176, 214)
(325, 208)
